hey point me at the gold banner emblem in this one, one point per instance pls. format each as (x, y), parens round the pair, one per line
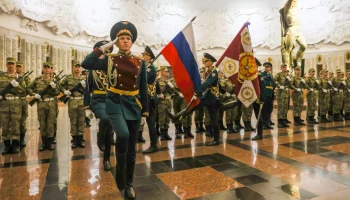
(247, 67)
(230, 67)
(247, 94)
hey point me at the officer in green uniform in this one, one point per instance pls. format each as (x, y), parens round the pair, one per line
(97, 85)
(324, 95)
(298, 83)
(337, 95)
(166, 91)
(199, 113)
(311, 96)
(230, 114)
(347, 96)
(266, 79)
(75, 104)
(25, 84)
(282, 82)
(47, 105)
(11, 108)
(127, 98)
(148, 56)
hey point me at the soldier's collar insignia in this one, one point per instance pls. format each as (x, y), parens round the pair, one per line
(213, 74)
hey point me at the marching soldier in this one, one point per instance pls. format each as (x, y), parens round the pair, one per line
(47, 104)
(266, 80)
(199, 113)
(298, 84)
(347, 96)
(97, 85)
(25, 83)
(337, 95)
(324, 95)
(75, 104)
(166, 89)
(11, 108)
(127, 98)
(311, 96)
(282, 82)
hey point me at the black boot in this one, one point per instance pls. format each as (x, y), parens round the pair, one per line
(267, 126)
(130, 168)
(215, 141)
(81, 141)
(201, 127)
(22, 140)
(280, 123)
(107, 152)
(197, 127)
(208, 131)
(222, 127)
(49, 144)
(140, 139)
(296, 121)
(238, 124)
(181, 130)
(315, 121)
(301, 122)
(234, 129)
(337, 118)
(120, 170)
(323, 119)
(186, 131)
(347, 116)
(246, 127)
(229, 128)
(158, 130)
(101, 141)
(189, 133)
(7, 149)
(250, 126)
(165, 135)
(54, 137)
(15, 146)
(74, 142)
(151, 149)
(271, 123)
(311, 120)
(286, 122)
(43, 144)
(177, 132)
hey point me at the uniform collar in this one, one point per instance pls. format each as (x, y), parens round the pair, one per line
(124, 54)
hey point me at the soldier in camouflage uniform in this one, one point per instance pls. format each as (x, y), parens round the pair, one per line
(311, 96)
(247, 117)
(166, 88)
(330, 108)
(11, 108)
(223, 98)
(199, 113)
(347, 96)
(177, 101)
(75, 104)
(46, 106)
(324, 95)
(239, 116)
(337, 95)
(229, 87)
(25, 83)
(282, 82)
(298, 83)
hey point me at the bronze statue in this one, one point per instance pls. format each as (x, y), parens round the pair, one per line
(291, 34)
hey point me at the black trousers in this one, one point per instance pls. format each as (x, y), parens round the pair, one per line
(267, 110)
(256, 107)
(152, 125)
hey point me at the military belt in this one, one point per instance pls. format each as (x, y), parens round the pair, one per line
(99, 92)
(124, 92)
(49, 99)
(76, 98)
(269, 87)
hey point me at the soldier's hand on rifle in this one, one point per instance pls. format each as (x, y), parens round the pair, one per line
(37, 96)
(107, 46)
(282, 87)
(83, 83)
(67, 93)
(89, 114)
(181, 95)
(335, 89)
(170, 84)
(14, 83)
(53, 85)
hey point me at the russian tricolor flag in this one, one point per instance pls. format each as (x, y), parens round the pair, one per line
(181, 55)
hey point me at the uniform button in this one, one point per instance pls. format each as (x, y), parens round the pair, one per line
(121, 85)
(134, 86)
(121, 56)
(116, 65)
(138, 67)
(135, 76)
(119, 75)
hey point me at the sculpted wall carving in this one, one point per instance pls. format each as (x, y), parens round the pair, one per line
(158, 21)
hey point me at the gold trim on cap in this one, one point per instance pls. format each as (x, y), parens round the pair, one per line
(124, 31)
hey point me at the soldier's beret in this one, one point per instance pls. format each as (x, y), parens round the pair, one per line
(124, 28)
(19, 63)
(331, 73)
(298, 68)
(283, 65)
(47, 64)
(75, 63)
(103, 42)
(149, 51)
(267, 64)
(207, 56)
(312, 70)
(10, 60)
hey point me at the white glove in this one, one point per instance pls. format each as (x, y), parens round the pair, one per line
(302, 80)
(83, 83)
(330, 82)
(282, 87)
(0, 97)
(287, 77)
(67, 93)
(14, 83)
(107, 46)
(89, 114)
(298, 89)
(53, 84)
(344, 83)
(335, 89)
(317, 81)
(311, 89)
(181, 95)
(170, 84)
(324, 90)
(161, 96)
(228, 94)
(194, 97)
(37, 96)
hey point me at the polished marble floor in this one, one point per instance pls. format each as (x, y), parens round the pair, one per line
(307, 162)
